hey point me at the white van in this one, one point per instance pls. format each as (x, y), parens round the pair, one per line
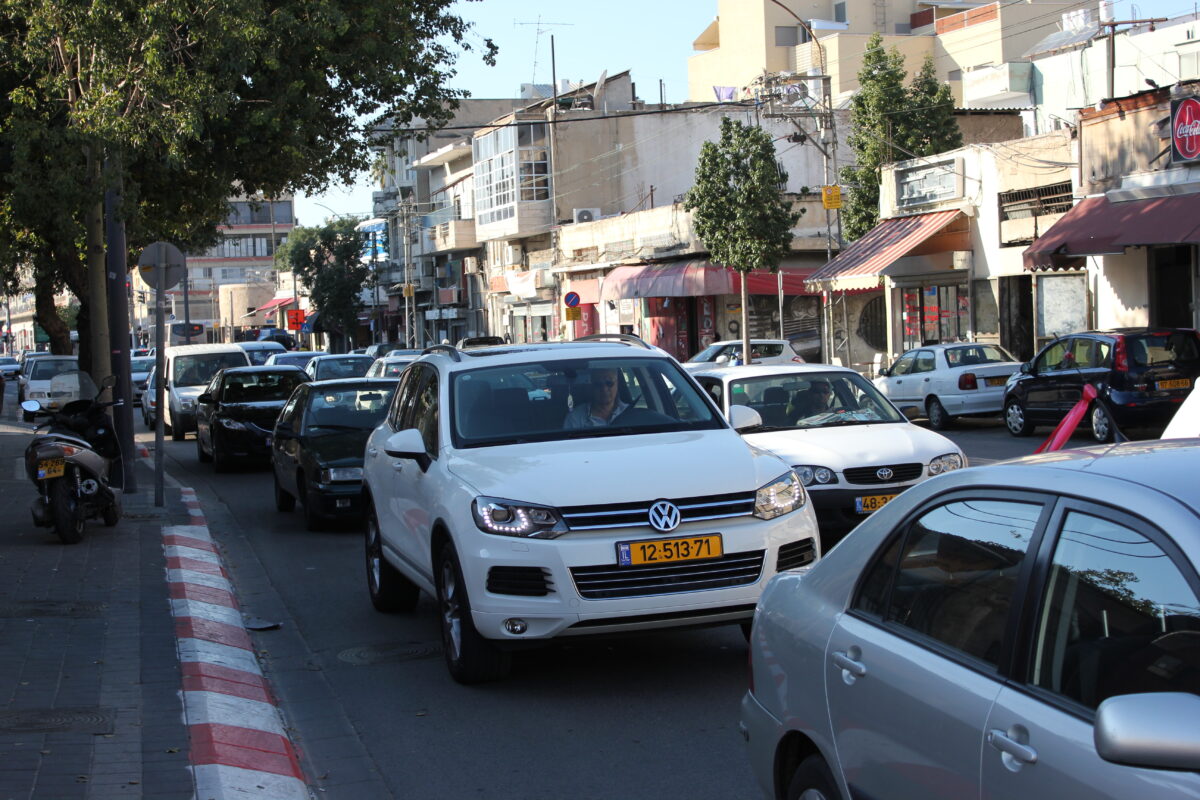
(259, 352)
(189, 368)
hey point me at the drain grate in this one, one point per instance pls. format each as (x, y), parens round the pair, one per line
(385, 653)
(57, 720)
(73, 609)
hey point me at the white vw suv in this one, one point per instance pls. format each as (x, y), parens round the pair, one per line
(566, 489)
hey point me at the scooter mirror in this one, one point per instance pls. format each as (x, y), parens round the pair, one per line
(109, 382)
(31, 406)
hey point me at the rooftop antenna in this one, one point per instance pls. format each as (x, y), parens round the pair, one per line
(541, 27)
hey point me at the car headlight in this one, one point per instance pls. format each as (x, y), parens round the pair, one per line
(510, 518)
(781, 496)
(335, 474)
(814, 474)
(232, 424)
(946, 463)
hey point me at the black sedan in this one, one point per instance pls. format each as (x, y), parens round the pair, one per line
(236, 412)
(317, 454)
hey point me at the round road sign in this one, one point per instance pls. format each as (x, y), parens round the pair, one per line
(571, 299)
(169, 256)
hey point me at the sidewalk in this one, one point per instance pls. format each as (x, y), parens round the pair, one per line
(89, 674)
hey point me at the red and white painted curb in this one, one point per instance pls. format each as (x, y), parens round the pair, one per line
(239, 747)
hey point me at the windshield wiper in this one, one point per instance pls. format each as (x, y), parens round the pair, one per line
(337, 427)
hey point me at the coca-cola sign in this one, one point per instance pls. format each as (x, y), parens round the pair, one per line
(1185, 129)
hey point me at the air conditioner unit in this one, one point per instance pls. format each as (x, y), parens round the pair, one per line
(513, 254)
(585, 214)
(470, 265)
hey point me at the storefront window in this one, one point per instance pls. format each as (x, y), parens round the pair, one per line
(934, 314)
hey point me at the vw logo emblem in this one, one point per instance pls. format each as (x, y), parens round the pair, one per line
(664, 516)
(884, 473)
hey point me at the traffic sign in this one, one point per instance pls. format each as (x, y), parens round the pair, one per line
(169, 256)
(571, 299)
(295, 319)
(831, 196)
(574, 314)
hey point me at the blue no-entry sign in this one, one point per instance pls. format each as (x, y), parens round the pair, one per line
(571, 299)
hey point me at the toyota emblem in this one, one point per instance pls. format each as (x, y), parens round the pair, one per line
(664, 516)
(884, 473)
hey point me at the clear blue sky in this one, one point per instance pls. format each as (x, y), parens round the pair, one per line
(651, 38)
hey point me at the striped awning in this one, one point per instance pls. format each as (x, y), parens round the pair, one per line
(861, 264)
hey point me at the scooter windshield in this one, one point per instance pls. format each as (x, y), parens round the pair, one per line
(66, 387)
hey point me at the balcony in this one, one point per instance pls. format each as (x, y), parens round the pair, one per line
(1004, 85)
(448, 231)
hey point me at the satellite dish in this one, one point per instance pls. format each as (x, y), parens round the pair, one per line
(598, 91)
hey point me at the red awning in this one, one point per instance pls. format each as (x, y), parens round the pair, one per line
(1098, 226)
(274, 304)
(696, 279)
(861, 263)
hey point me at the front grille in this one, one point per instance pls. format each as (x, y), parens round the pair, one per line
(609, 581)
(523, 581)
(625, 515)
(796, 554)
(867, 475)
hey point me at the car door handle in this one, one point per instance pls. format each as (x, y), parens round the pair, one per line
(372, 451)
(397, 465)
(1005, 744)
(855, 668)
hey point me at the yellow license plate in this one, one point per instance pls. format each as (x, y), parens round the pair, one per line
(50, 468)
(872, 502)
(1178, 383)
(669, 551)
(1000, 381)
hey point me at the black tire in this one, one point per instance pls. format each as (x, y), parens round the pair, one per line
(201, 454)
(65, 511)
(1015, 419)
(469, 657)
(812, 780)
(313, 520)
(390, 590)
(220, 460)
(283, 500)
(1102, 424)
(939, 418)
(111, 515)
(175, 431)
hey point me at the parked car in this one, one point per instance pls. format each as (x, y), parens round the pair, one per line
(139, 372)
(318, 444)
(854, 451)
(762, 351)
(1028, 629)
(296, 358)
(480, 341)
(358, 351)
(323, 368)
(382, 348)
(389, 366)
(28, 359)
(260, 351)
(1141, 376)
(279, 336)
(947, 381)
(38, 378)
(149, 402)
(402, 352)
(188, 369)
(236, 412)
(493, 486)
(9, 366)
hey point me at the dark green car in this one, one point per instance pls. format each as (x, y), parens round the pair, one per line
(317, 450)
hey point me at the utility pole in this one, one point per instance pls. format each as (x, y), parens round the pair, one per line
(405, 212)
(1112, 47)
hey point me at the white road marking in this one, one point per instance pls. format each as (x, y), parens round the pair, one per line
(211, 708)
(194, 553)
(209, 611)
(199, 578)
(222, 655)
(221, 782)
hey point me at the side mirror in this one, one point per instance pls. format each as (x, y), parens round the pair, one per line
(205, 398)
(723, 358)
(108, 382)
(885, 372)
(743, 417)
(31, 406)
(1027, 368)
(405, 444)
(1155, 729)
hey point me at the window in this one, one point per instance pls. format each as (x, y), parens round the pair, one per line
(425, 410)
(1054, 198)
(839, 12)
(1118, 616)
(1057, 356)
(904, 365)
(952, 574)
(787, 35)
(511, 164)
(403, 398)
(925, 361)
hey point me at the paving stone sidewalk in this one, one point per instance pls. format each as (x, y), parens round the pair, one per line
(89, 678)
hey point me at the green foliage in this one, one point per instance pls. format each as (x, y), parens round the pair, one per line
(931, 127)
(328, 263)
(737, 200)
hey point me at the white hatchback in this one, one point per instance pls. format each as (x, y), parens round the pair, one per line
(944, 381)
(549, 490)
(853, 449)
(762, 351)
(41, 373)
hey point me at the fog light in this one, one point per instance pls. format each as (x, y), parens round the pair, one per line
(517, 626)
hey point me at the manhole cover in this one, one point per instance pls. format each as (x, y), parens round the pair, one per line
(57, 720)
(384, 653)
(74, 609)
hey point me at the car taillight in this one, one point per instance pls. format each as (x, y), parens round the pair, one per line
(1120, 357)
(967, 381)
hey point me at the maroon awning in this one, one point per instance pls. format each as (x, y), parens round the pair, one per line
(697, 279)
(1098, 226)
(862, 263)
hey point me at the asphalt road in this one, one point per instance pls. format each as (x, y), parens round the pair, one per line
(375, 713)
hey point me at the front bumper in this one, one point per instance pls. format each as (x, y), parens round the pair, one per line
(338, 499)
(762, 732)
(679, 599)
(248, 443)
(183, 421)
(837, 508)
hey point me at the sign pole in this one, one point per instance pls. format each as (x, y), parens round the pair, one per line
(118, 337)
(160, 361)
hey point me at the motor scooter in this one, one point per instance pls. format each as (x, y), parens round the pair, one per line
(76, 463)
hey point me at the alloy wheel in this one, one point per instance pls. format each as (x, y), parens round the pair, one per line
(451, 609)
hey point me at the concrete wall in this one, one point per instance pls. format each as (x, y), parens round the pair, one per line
(1122, 291)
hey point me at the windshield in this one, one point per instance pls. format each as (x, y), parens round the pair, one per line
(346, 408)
(141, 364)
(294, 359)
(46, 368)
(580, 398)
(813, 400)
(198, 369)
(260, 387)
(970, 355)
(7, 361)
(343, 367)
(259, 355)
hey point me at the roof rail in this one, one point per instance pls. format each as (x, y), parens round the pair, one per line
(627, 338)
(443, 348)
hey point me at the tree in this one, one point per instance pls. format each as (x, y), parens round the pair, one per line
(328, 261)
(738, 206)
(931, 127)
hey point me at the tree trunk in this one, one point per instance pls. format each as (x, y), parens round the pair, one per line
(82, 323)
(746, 353)
(100, 360)
(48, 318)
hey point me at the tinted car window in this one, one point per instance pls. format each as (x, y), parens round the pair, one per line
(1165, 347)
(260, 387)
(1118, 616)
(904, 364)
(340, 408)
(976, 354)
(951, 576)
(1055, 357)
(425, 410)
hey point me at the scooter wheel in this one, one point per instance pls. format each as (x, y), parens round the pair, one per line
(111, 515)
(64, 509)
